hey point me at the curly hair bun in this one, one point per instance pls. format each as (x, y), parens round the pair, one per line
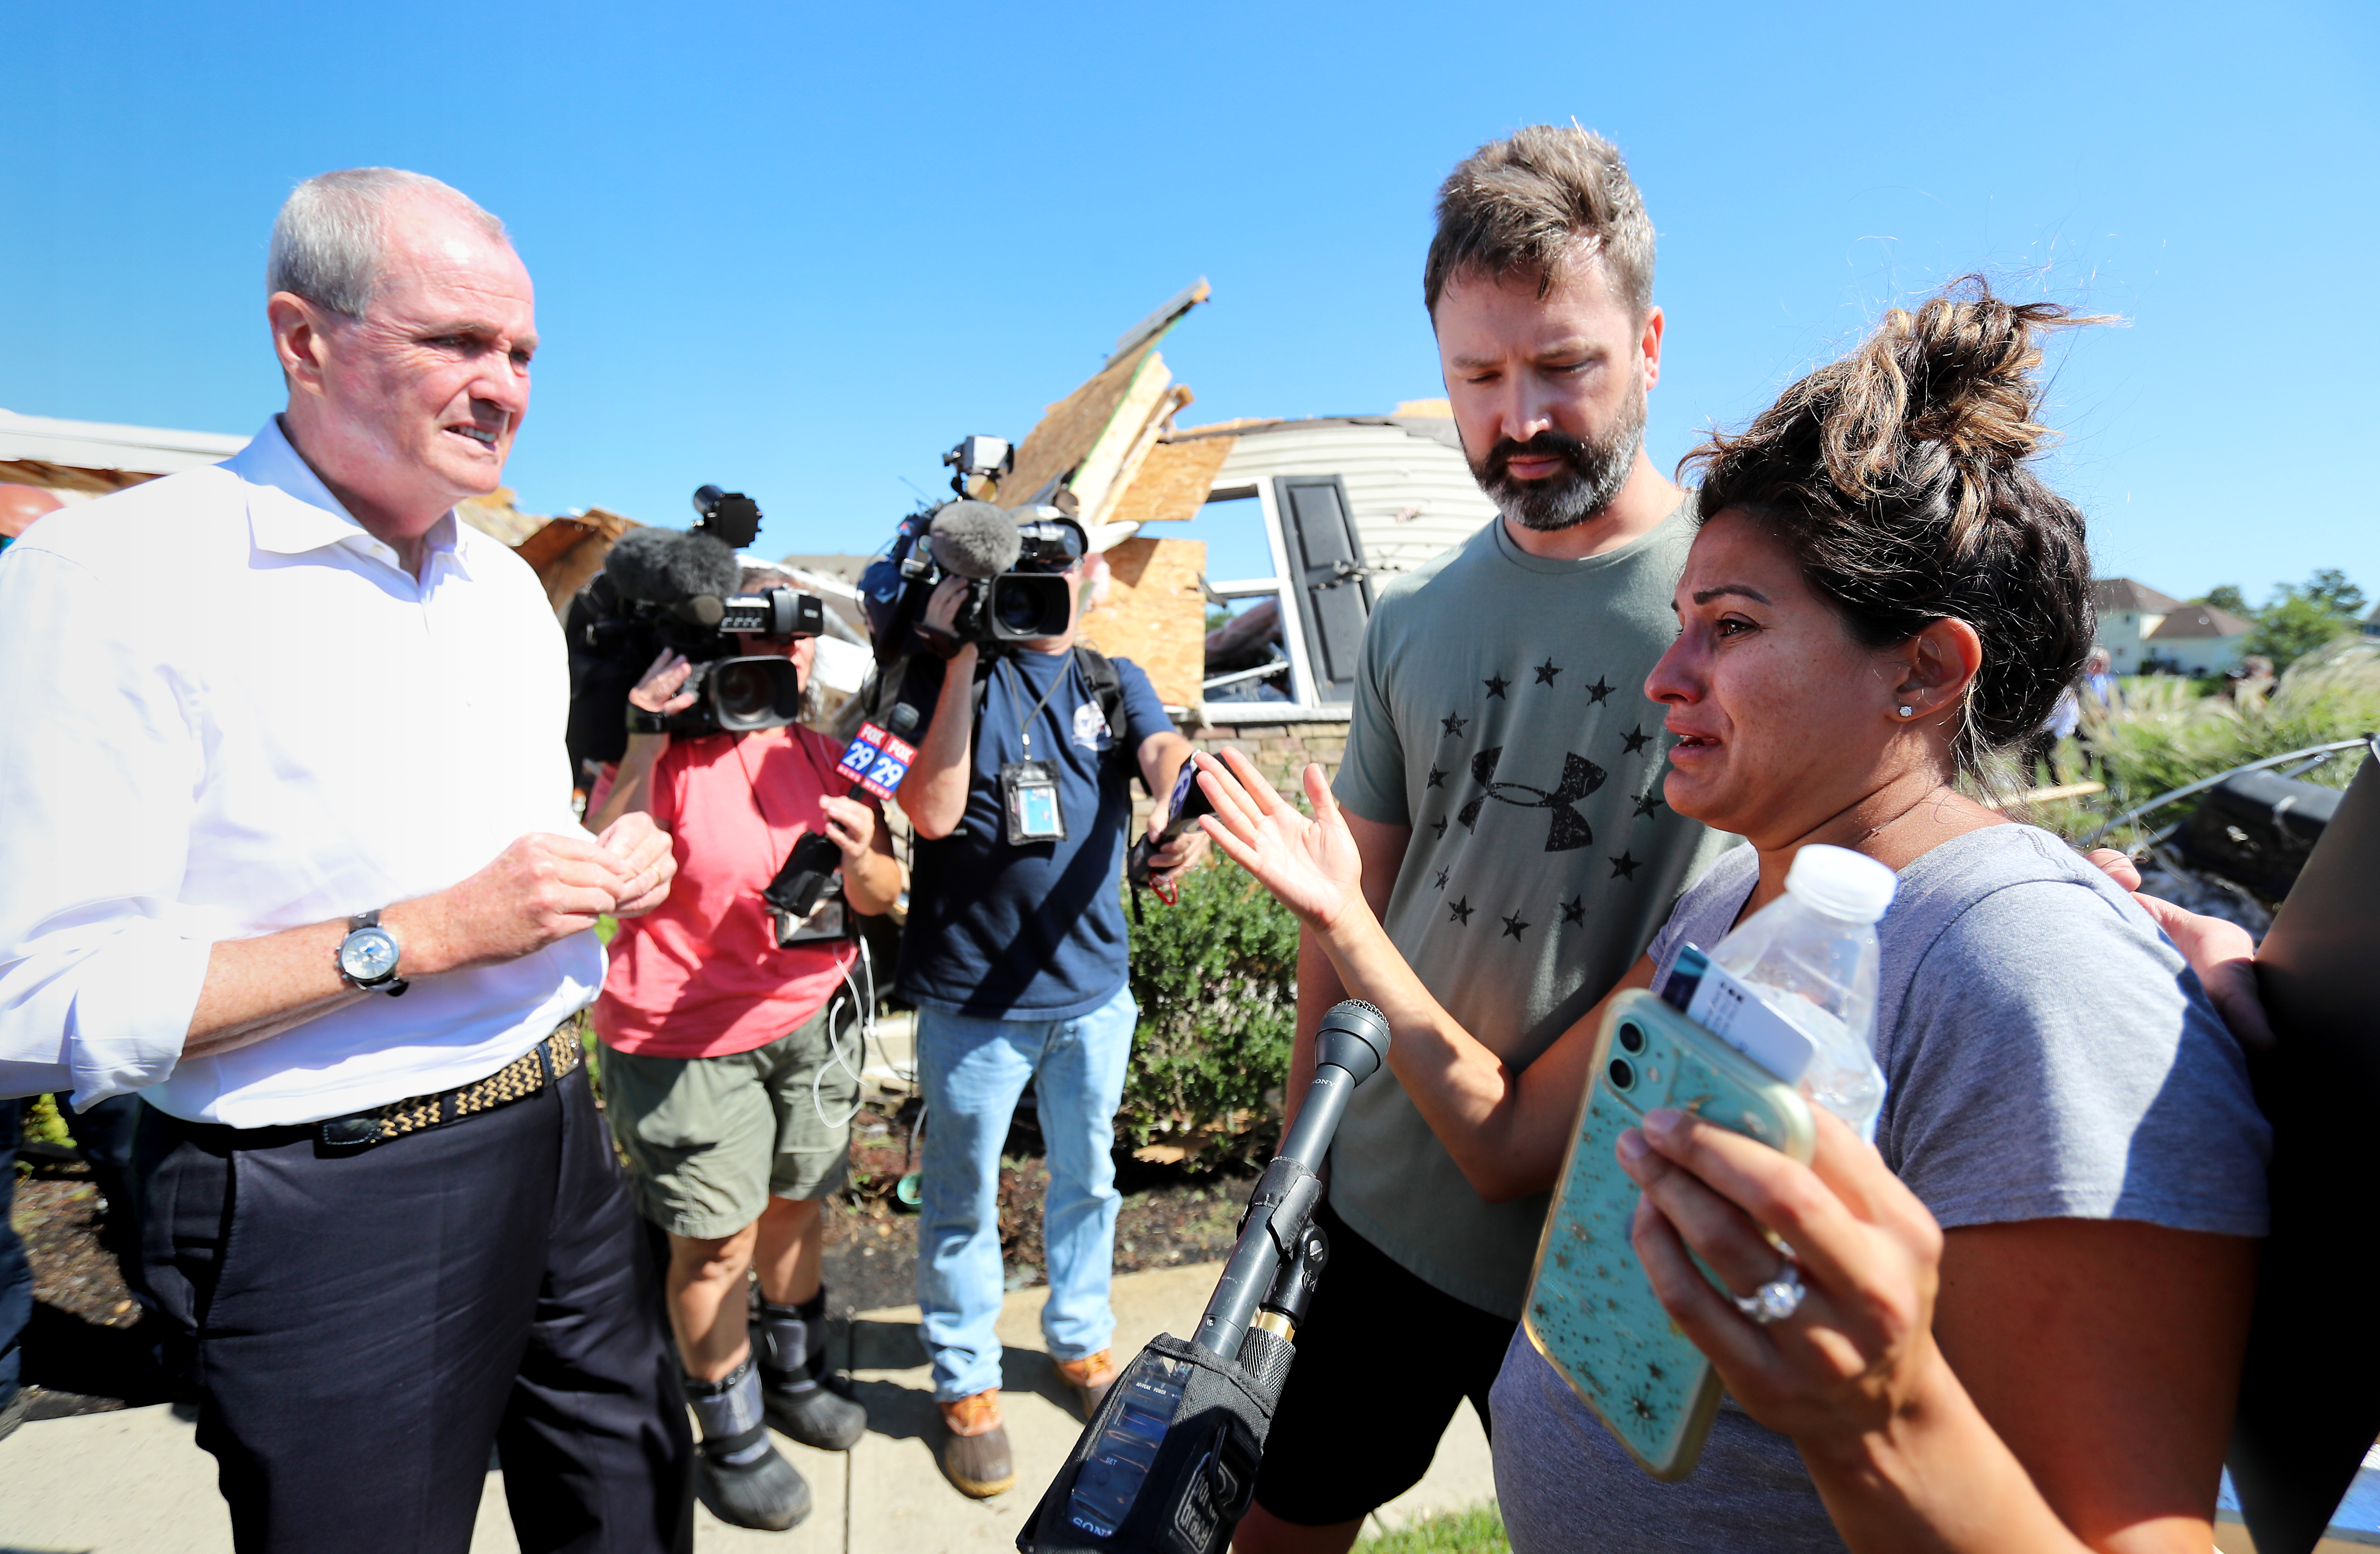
(1900, 477)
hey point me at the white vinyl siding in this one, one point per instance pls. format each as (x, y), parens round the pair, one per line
(1387, 471)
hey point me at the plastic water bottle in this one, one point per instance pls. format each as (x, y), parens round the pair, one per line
(1810, 958)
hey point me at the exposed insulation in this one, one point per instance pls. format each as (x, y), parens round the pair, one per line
(1155, 613)
(1172, 481)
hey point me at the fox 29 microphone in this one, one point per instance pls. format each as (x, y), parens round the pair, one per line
(1168, 1465)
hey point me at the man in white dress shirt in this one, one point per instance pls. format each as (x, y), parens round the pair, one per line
(290, 850)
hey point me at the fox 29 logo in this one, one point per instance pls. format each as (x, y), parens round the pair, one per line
(877, 761)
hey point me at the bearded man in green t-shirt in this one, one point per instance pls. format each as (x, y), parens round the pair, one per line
(1503, 782)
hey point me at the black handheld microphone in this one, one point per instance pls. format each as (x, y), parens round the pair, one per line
(815, 857)
(1348, 1049)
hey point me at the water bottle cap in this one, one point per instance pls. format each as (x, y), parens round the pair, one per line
(1840, 882)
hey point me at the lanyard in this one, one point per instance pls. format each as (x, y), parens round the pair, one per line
(1010, 665)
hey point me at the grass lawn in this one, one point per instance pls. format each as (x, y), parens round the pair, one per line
(1480, 1530)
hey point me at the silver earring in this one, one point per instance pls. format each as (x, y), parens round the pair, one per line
(1908, 713)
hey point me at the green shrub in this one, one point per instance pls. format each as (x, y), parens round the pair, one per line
(45, 1122)
(1215, 976)
(1480, 1530)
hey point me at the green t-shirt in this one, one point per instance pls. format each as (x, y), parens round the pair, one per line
(1500, 712)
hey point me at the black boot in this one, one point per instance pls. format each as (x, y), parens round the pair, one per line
(791, 1349)
(741, 1475)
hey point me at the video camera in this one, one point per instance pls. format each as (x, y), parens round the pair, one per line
(1012, 559)
(660, 589)
(1168, 1463)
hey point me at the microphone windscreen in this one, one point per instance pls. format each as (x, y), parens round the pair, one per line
(903, 719)
(667, 565)
(975, 539)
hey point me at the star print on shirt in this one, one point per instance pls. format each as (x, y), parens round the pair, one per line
(1646, 803)
(1438, 827)
(1574, 911)
(1624, 866)
(1513, 926)
(1440, 883)
(1636, 739)
(1436, 778)
(1495, 685)
(1599, 690)
(1547, 670)
(1453, 725)
(1460, 911)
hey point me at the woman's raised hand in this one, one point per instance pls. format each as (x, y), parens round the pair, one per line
(658, 691)
(1311, 866)
(1860, 1347)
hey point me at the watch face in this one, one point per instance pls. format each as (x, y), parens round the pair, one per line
(369, 954)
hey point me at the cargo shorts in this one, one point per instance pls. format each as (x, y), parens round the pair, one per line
(711, 1140)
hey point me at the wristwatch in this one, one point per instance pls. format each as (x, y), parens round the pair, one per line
(368, 956)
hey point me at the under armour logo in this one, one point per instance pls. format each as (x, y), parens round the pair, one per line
(1568, 829)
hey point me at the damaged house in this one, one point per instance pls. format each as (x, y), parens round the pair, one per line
(1322, 511)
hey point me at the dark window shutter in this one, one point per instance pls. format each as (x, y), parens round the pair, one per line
(1334, 593)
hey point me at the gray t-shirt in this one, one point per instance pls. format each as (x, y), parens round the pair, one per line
(2049, 1053)
(1500, 712)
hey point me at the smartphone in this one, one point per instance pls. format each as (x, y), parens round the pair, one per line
(1591, 1310)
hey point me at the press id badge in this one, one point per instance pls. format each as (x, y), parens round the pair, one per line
(1028, 803)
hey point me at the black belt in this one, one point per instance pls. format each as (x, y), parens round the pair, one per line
(517, 1080)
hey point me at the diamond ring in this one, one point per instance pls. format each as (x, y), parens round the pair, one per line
(1778, 1299)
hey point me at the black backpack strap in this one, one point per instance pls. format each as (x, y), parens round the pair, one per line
(1108, 686)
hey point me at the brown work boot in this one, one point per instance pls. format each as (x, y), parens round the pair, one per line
(977, 1456)
(1091, 1377)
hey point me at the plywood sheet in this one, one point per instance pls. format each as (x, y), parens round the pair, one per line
(1173, 481)
(567, 552)
(1155, 613)
(1068, 429)
(68, 477)
(1144, 442)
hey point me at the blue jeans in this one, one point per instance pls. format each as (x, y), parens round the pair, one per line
(973, 1069)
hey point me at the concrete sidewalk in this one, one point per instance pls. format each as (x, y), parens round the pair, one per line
(133, 1482)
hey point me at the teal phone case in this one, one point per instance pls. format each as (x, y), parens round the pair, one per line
(1591, 1310)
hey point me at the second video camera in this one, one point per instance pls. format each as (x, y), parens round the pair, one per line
(663, 589)
(1014, 559)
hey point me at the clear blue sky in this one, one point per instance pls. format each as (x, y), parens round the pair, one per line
(801, 250)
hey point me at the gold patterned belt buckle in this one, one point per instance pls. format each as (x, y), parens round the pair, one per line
(542, 1064)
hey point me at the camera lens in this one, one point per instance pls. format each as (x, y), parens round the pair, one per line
(1632, 1036)
(760, 692)
(1623, 1077)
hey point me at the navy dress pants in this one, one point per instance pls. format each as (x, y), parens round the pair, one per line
(16, 1269)
(362, 1326)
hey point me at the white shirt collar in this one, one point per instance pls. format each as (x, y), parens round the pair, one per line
(301, 515)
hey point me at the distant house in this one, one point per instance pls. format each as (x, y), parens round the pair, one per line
(2371, 622)
(2145, 632)
(2197, 640)
(2129, 612)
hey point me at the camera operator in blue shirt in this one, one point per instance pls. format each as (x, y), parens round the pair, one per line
(1014, 955)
